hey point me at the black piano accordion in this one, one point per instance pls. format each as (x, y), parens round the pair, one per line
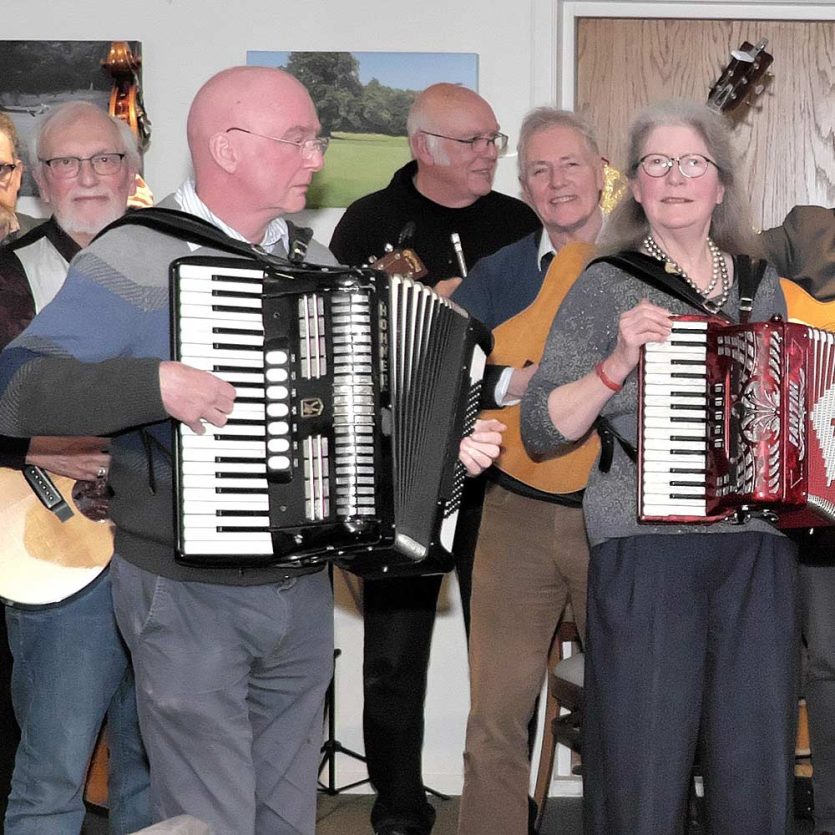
(353, 390)
(737, 419)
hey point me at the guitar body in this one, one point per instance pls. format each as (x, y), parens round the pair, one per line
(806, 309)
(42, 559)
(520, 340)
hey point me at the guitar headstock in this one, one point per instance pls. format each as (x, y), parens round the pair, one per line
(405, 262)
(740, 81)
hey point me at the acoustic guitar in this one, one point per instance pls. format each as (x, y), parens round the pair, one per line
(43, 559)
(521, 340)
(805, 309)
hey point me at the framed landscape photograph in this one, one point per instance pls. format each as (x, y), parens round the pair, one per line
(363, 99)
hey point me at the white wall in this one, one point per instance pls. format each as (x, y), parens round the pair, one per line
(525, 50)
(183, 43)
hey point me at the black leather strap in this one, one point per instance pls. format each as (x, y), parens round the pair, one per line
(651, 272)
(187, 227)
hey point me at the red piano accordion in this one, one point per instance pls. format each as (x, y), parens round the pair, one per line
(737, 419)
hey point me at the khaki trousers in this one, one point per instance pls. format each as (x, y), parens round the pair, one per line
(531, 560)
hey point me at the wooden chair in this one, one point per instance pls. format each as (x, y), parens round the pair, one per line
(565, 690)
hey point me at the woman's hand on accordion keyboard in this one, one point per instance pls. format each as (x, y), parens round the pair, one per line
(195, 397)
(481, 448)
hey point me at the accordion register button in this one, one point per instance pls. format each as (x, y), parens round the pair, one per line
(276, 357)
(276, 375)
(278, 445)
(277, 392)
(278, 410)
(278, 462)
(278, 427)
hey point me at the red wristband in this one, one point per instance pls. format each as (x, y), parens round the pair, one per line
(605, 379)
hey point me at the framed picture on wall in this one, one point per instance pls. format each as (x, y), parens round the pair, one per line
(363, 99)
(38, 75)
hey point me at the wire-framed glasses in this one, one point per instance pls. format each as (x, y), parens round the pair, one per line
(477, 143)
(690, 165)
(65, 168)
(308, 147)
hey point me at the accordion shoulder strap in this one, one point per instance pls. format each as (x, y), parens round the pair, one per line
(748, 275)
(651, 272)
(187, 227)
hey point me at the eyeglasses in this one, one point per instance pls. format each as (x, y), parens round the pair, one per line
(477, 143)
(690, 165)
(65, 168)
(6, 169)
(308, 147)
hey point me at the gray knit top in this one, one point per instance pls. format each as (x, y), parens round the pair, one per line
(584, 332)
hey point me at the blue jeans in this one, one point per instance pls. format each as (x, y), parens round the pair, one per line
(71, 669)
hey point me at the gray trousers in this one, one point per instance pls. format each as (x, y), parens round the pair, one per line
(230, 684)
(688, 635)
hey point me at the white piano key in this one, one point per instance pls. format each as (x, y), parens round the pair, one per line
(202, 285)
(195, 351)
(229, 446)
(687, 462)
(212, 482)
(246, 316)
(207, 452)
(665, 444)
(666, 479)
(656, 424)
(651, 489)
(675, 379)
(694, 432)
(662, 395)
(209, 467)
(675, 407)
(213, 521)
(665, 464)
(249, 429)
(249, 364)
(689, 325)
(224, 501)
(696, 509)
(207, 300)
(230, 543)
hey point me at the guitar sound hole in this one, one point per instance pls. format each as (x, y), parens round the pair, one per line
(92, 498)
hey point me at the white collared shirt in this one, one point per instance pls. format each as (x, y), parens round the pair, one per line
(277, 230)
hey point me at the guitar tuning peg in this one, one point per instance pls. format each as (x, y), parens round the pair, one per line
(388, 248)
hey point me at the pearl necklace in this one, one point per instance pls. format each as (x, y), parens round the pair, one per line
(719, 270)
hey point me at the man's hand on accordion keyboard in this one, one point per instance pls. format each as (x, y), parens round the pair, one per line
(481, 448)
(195, 397)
